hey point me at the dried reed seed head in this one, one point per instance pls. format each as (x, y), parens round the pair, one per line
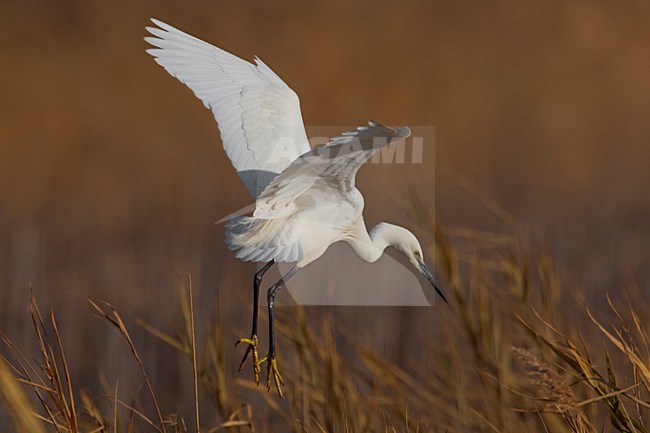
(552, 386)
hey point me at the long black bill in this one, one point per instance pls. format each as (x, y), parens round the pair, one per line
(431, 279)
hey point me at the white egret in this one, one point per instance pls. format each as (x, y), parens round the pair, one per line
(306, 198)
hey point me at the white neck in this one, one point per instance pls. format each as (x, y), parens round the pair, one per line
(370, 247)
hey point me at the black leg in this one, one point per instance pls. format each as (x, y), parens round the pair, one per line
(270, 298)
(252, 342)
(272, 369)
(257, 281)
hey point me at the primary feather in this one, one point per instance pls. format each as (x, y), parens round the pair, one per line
(258, 114)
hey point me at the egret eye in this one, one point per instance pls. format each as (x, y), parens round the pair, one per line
(416, 254)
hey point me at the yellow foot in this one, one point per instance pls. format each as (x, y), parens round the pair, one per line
(272, 371)
(252, 346)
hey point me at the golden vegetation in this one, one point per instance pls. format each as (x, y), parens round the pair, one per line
(521, 352)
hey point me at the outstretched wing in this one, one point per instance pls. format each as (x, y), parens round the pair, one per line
(331, 169)
(258, 114)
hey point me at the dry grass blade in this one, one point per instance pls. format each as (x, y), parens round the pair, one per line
(623, 391)
(115, 417)
(51, 374)
(173, 342)
(113, 318)
(633, 356)
(14, 398)
(72, 413)
(233, 422)
(133, 411)
(44, 378)
(194, 366)
(93, 411)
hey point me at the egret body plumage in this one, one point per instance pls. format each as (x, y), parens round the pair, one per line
(305, 199)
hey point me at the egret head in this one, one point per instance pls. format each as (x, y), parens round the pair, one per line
(406, 243)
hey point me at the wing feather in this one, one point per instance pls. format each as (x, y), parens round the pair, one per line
(258, 114)
(262, 240)
(333, 166)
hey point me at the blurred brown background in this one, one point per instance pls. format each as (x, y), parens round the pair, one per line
(111, 172)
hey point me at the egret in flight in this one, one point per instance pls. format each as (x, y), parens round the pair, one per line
(305, 199)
